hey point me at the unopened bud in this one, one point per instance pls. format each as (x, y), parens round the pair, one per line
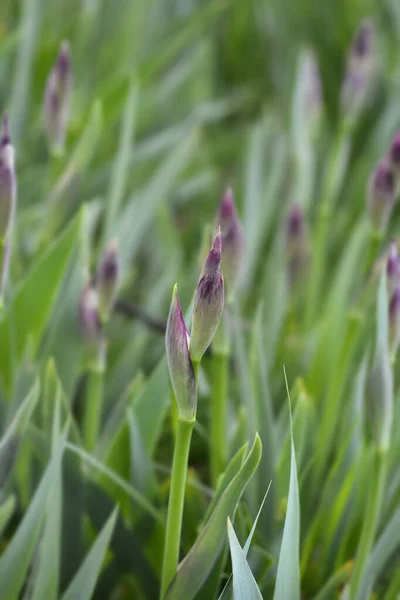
(361, 69)
(233, 244)
(297, 247)
(392, 269)
(90, 327)
(208, 302)
(57, 99)
(7, 181)
(381, 195)
(179, 364)
(394, 320)
(107, 280)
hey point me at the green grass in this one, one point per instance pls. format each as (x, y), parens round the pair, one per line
(172, 101)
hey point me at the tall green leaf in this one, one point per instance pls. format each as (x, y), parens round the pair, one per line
(244, 584)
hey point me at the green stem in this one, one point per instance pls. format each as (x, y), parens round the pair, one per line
(218, 416)
(371, 518)
(93, 408)
(175, 503)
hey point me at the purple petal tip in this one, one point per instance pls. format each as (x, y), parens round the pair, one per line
(394, 307)
(384, 177)
(395, 149)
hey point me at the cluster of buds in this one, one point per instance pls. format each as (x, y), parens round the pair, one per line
(97, 303)
(297, 245)
(57, 99)
(360, 70)
(8, 194)
(184, 350)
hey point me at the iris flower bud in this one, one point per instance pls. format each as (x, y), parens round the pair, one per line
(381, 195)
(90, 327)
(57, 99)
(179, 364)
(233, 244)
(208, 302)
(107, 280)
(394, 320)
(360, 72)
(392, 269)
(8, 184)
(297, 249)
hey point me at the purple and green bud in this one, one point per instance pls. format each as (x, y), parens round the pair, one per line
(107, 280)
(180, 365)
(233, 242)
(90, 327)
(360, 71)
(394, 320)
(395, 154)
(297, 245)
(392, 269)
(57, 99)
(8, 185)
(209, 301)
(381, 195)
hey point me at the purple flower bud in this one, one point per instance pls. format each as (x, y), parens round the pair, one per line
(379, 395)
(208, 302)
(395, 154)
(394, 320)
(107, 280)
(8, 186)
(233, 243)
(90, 326)
(360, 71)
(392, 268)
(179, 364)
(297, 247)
(381, 195)
(57, 99)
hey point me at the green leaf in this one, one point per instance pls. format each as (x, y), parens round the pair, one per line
(83, 584)
(31, 306)
(288, 575)
(122, 162)
(6, 512)
(10, 442)
(226, 593)
(244, 584)
(16, 559)
(197, 564)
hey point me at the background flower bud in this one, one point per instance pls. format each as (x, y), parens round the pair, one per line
(179, 364)
(297, 247)
(394, 320)
(392, 269)
(7, 181)
(381, 195)
(360, 71)
(57, 99)
(90, 327)
(208, 302)
(107, 280)
(233, 243)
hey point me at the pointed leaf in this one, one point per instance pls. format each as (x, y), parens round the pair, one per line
(244, 584)
(84, 582)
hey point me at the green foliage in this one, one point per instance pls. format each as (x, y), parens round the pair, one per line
(171, 102)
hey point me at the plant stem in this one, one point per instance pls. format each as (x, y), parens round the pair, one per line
(371, 518)
(218, 416)
(175, 503)
(93, 408)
